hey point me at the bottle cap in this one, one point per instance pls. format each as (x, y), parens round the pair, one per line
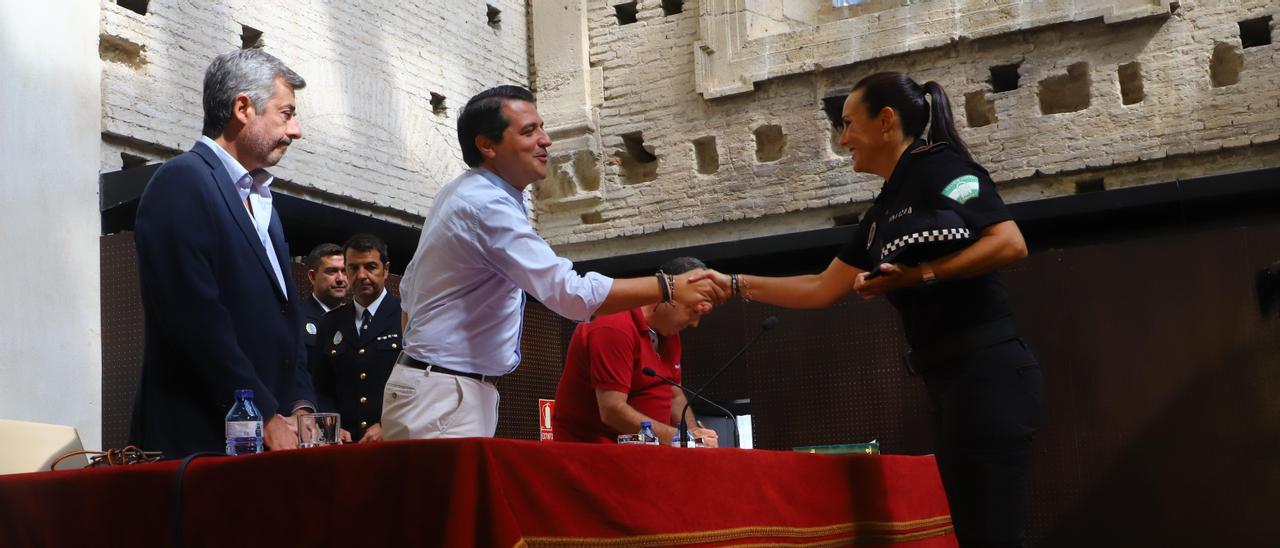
(244, 393)
(646, 424)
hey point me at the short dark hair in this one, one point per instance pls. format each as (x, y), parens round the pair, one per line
(483, 116)
(319, 252)
(367, 242)
(680, 265)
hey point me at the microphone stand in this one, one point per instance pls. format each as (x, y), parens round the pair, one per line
(683, 428)
(768, 325)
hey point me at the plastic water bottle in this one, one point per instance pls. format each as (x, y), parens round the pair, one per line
(646, 433)
(244, 425)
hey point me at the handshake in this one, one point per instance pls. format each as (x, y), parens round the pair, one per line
(700, 289)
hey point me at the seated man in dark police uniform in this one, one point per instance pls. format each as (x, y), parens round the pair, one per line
(357, 344)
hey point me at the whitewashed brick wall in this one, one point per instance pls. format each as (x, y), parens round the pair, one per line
(371, 141)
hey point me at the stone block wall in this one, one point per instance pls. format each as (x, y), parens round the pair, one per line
(1052, 97)
(385, 80)
(688, 122)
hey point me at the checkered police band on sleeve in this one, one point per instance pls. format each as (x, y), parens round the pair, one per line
(914, 235)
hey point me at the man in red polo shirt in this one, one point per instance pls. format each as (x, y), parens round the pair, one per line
(603, 391)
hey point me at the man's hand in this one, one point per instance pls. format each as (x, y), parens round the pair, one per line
(374, 433)
(709, 436)
(280, 433)
(892, 277)
(344, 436)
(702, 289)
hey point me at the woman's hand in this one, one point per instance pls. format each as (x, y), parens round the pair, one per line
(892, 277)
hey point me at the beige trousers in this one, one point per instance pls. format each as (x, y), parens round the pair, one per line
(419, 404)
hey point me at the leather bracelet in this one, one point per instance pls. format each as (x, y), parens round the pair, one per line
(662, 285)
(671, 282)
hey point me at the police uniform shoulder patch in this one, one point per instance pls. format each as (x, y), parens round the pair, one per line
(962, 188)
(337, 338)
(311, 328)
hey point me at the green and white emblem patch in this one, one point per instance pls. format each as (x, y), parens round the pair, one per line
(962, 188)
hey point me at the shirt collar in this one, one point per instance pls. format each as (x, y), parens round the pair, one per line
(258, 180)
(501, 183)
(642, 326)
(324, 306)
(899, 170)
(373, 307)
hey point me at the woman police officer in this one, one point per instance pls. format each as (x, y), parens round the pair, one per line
(984, 384)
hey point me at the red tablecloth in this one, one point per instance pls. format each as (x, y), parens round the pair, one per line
(482, 492)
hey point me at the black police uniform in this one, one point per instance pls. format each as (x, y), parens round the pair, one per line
(984, 383)
(351, 369)
(312, 311)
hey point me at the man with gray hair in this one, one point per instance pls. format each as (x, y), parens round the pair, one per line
(221, 311)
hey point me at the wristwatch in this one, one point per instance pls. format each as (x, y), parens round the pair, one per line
(926, 274)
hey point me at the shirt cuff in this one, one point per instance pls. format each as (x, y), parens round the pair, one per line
(601, 285)
(302, 404)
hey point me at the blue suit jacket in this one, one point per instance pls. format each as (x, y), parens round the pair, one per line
(216, 317)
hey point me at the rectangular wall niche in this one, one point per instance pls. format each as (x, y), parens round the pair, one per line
(493, 16)
(771, 142)
(1004, 77)
(639, 164)
(437, 104)
(1066, 92)
(136, 6)
(705, 155)
(1255, 32)
(250, 38)
(120, 50)
(626, 13)
(978, 109)
(1225, 65)
(1130, 75)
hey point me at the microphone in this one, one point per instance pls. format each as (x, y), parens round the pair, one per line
(768, 325)
(684, 427)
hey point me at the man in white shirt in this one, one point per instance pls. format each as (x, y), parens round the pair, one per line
(464, 291)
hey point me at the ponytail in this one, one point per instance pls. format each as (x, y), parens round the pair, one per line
(942, 127)
(907, 98)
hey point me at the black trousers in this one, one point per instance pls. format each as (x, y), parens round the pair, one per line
(987, 406)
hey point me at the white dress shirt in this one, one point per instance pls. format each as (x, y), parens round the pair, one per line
(255, 188)
(373, 309)
(465, 288)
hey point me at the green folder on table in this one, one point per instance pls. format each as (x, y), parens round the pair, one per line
(869, 448)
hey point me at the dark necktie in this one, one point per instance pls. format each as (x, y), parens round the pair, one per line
(364, 321)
